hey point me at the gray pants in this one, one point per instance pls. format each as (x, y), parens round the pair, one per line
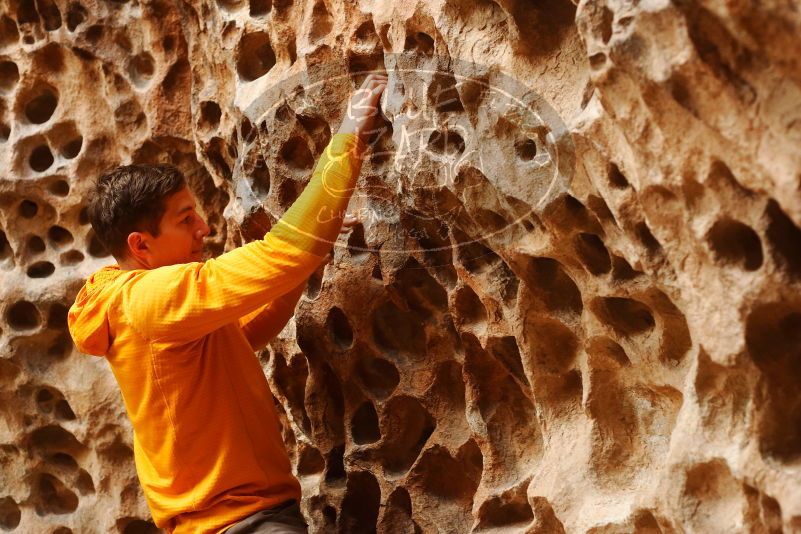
(283, 519)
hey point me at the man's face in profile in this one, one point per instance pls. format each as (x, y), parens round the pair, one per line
(182, 233)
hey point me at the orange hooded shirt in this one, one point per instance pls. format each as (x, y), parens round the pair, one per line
(180, 342)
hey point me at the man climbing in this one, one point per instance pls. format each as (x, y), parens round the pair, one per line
(180, 334)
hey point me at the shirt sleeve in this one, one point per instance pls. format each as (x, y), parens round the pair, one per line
(261, 326)
(186, 301)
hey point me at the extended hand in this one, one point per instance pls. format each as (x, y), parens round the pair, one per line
(363, 106)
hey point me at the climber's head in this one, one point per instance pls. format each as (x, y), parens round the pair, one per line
(145, 216)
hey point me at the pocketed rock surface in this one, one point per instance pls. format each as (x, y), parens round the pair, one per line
(589, 321)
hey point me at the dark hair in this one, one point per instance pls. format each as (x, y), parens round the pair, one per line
(131, 198)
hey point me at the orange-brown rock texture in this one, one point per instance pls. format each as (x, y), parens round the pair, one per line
(572, 304)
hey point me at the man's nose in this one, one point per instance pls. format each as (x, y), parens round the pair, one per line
(203, 231)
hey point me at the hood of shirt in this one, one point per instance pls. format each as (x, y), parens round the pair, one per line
(88, 319)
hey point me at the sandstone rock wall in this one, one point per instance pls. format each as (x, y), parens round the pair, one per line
(588, 321)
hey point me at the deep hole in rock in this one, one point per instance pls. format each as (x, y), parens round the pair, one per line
(64, 411)
(398, 512)
(469, 308)
(51, 496)
(734, 243)
(260, 178)
(784, 238)
(419, 42)
(359, 512)
(41, 269)
(28, 209)
(335, 465)
(9, 75)
(26, 12)
(773, 339)
(628, 317)
(364, 424)
(57, 316)
(357, 246)
(259, 8)
(41, 158)
(72, 148)
(592, 253)
(616, 178)
(526, 149)
(141, 68)
(330, 516)
(296, 154)
(210, 114)
(439, 474)
(254, 56)
(647, 239)
(59, 236)
(41, 107)
(447, 142)
(10, 513)
(76, 15)
(35, 245)
(23, 315)
(5, 247)
(140, 526)
(84, 483)
(310, 461)
(71, 257)
(321, 22)
(9, 34)
(339, 328)
(443, 95)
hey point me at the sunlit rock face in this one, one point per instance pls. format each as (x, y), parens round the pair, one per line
(572, 304)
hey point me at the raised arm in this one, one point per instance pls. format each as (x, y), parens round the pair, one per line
(187, 301)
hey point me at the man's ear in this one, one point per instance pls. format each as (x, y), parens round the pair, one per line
(138, 246)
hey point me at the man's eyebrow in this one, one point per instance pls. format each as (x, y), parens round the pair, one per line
(185, 209)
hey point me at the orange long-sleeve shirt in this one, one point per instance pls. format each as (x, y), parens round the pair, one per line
(180, 340)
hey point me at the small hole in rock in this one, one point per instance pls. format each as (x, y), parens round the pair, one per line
(616, 178)
(71, 257)
(628, 317)
(210, 114)
(364, 425)
(259, 8)
(9, 75)
(447, 143)
(339, 328)
(254, 56)
(41, 269)
(35, 245)
(28, 209)
(72, 148)
(59, 236)
(41, 158)
(526, 149)
(23, 315)
(76, 15)
(734, 243)
(40, 108)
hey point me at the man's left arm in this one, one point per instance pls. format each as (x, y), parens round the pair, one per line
(262, 325)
